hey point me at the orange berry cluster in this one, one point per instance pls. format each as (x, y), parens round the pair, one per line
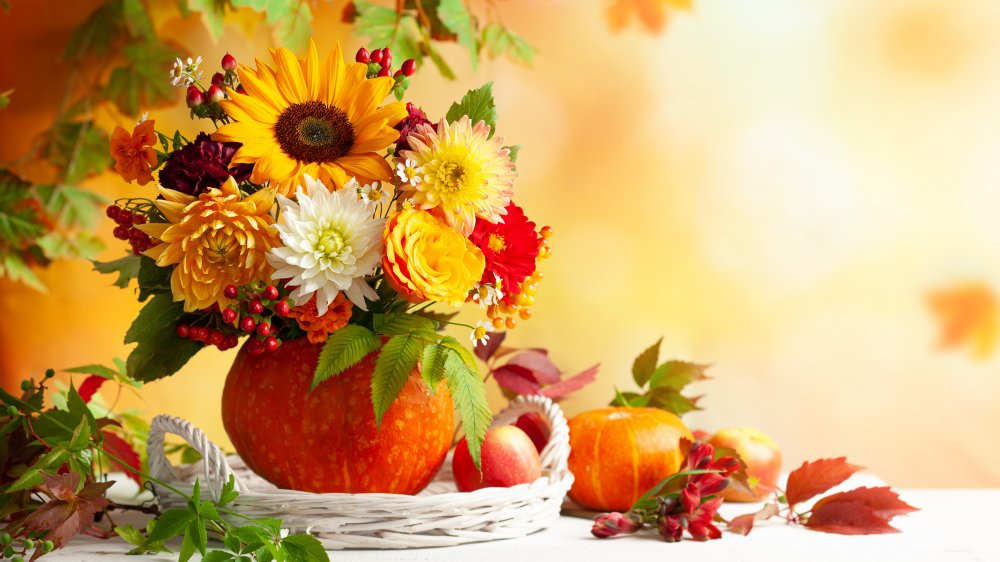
(505, 315)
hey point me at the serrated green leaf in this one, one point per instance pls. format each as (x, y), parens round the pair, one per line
(152, 279)
(514, 150)
(199, 536)
(463, 352)
(212, 15)
(170, 524)
(432, 365)
(456, 17)
(403, 324)
(442, 318)
(468, 392)
(78, 149)
(97, 33)
(127, 268)
(478, 105)
(677, 374)
(218, 555)
(251, 535)
(645, 364)
(130, 535)
(160, 351)
(136, 17)
(14, 268)
(672, 401)
(229, 492)
(379, 25)
(393, 368)
(270, 524)
(188, 547)
(343, 349)
(81, 437)
(304, 548)
(293, 31)
(141, 80)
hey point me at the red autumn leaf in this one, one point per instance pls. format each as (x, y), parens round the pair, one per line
(90, 386)
(123, 450)
(516, 379)
(572, 384)
(813, 478)
(848, 518)
(486, 351)
(538, 362)
(743, 524)
(68, 512)
(882, 501)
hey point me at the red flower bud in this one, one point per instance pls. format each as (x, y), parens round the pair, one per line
(216, 94)
(670, 527)
(229, 315)
(397, 74)
(384, 71)
(194, 96)
(409, 67)
(282, 308)
(270, 292)
(362, 55)
(229, 62)
(218, 79)
(376, 56)
(614, 523)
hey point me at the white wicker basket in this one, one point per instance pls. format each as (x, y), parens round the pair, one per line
(437, 516)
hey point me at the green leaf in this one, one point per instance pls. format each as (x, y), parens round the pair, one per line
(304, 548)
(229, 492)
(97, 33)
(463, 352)
(645, 364)
(439, 62)
(81, 436)
(677, 374)
(647, 501)
(469, 393)
(379, 25)
(74, 206)
(188, 546)
(456, 17)
(99, 370)
(478, 105)
(127, 268)
(196, 530)
(170, 524)
(672, 401)
(212, 15)
(161, 352)
(136, 17)
(218, 555)
(131, 535)
(79, 149)
(293, 31)
(18, 271)
(497, 40)
(442, 318)
(251, 535)
(432, 365)
(153, 279)
(142, 80)
(345, 348)
(514, 150)
(404, 324)
(393, 367)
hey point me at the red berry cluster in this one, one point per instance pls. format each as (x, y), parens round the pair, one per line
(208, 336)
(217, 91)
(126, 230)
(379, 63)
(252, 311)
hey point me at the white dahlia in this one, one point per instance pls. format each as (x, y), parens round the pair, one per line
(330, 243)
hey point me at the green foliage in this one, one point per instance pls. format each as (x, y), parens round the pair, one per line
(393, 367)
(290, 19)
(478, 105)
(5, 98)
(152, 279)
(432, 365)
(469, 393)
(662, 384)
(127, 268)
(498, 40)
(455, 16)
(402, 323)
(343, 349)
(141, 80)
(78, 149)
(160, 351)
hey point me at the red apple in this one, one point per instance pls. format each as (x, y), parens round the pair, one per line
(508, 458)
(761, 455)
(535, 426)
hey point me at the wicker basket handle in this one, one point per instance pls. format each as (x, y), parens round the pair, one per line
(555, 455)
(217, 469)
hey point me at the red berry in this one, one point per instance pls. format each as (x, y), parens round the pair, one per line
(376, 56)
(247, 324)
(138, 219)
(255, 346)
(271, 343)
(386, 58)
(263, 328)
(216, 94)
(231, 341)
(183, 330)
(409, 67)
(199, 334)
(218, 79)
(124, 218)
(112, 211)
(231, 291)
(362, 55)
(229, 315)
(217, 338)
(229, 62)
(255, 306)
(195, 97)
(120, 232)
(271, 292)
(383, 72)
(282, 308)
(397, 74)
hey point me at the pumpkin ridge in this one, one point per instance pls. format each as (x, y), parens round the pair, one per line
(595, 481)
(635, 461)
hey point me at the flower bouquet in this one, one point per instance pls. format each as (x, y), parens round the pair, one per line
(321, 223)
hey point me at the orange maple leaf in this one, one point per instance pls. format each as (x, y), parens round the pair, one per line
(652, 14)
(967, 314)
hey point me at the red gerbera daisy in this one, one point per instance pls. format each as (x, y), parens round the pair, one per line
(510, 247)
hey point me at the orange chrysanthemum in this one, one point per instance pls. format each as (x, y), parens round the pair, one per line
(133, 153)
(319, 327)
(215, 239)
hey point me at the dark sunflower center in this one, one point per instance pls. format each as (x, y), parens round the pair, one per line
(314, 132)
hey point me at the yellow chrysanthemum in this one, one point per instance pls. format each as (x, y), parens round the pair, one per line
(427, 259)
(465, 174)
(302, 117)
(214, 239)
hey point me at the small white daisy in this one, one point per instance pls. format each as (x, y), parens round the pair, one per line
(373, 193)
(487, 294)
(408, 172)
(185, 73)
(481, 333)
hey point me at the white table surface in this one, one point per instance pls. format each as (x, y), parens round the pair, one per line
(956, 524)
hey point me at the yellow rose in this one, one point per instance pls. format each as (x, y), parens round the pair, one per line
(427, 259)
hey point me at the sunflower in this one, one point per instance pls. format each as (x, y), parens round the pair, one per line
(302, 117)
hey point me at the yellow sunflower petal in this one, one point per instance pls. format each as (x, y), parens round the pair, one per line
(368, 96)
(265, 73)
(334, 175)
(263, 91)
(246, 132)
(368, 166)
(332, 75)
(275, 168)
(245, 108)
(354, 75)
(311, 71)
(291, 82)
(388, 115)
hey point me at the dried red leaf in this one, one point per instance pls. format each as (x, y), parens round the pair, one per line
(90, 386)
(123, 450)
(848, 518)
(538, 362)
(882, 501)
(69, 512)
(516, 379)
(814, 478)
(743, 524)
(486, 351)
(572, 384)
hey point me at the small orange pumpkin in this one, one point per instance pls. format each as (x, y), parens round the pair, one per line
(327, 440)
(617, 454)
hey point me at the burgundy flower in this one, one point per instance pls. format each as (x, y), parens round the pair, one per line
(614, 523)
(202, 165)
(415, 116)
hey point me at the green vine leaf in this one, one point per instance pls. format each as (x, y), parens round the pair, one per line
(345, 348)
(469, 394)
(645, 363)
(404, 324)
(456, 17)
(393, 368)
(127, 268)
(478, 104)
(432, 365)
(141, 81)
(161, 352)
(79, 149)
(304, 548)
(498, 40)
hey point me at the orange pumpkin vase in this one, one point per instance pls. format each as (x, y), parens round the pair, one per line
(617, 454)
(327, 440)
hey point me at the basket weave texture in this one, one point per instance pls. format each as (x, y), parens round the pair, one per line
(437, 516)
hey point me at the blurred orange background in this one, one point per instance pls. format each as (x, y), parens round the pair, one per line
(773, 186)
